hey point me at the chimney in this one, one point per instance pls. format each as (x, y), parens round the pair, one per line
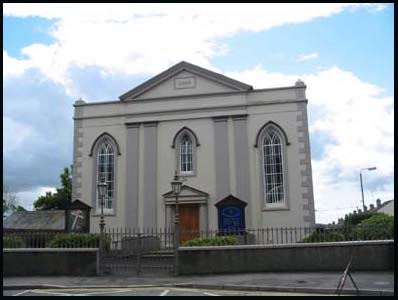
(299, 82)
(79, 101)
(372, 207)
(300, 89)
(378, 203)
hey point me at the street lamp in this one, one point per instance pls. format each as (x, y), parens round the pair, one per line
(176, 186)
(360, 177)
(102, 187)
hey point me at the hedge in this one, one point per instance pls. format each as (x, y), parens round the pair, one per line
(213, 241)
(13, 242)
(374, 226)
(78, 240)
(377, 227)
(326, 236)
(354, 219)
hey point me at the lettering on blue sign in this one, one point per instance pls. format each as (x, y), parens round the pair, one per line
(231, 218)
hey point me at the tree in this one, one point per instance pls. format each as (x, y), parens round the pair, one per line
(20, 208)
(61, 199)
(9, 200)
(378, 227)
(352, 220)
(10, 203)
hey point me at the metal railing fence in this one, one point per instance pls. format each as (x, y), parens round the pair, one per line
(163, 239)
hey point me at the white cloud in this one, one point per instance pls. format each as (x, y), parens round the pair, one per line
(357, 117)
(27, 198)
(260, 78)
(379, 6)
(306, 57)
(14, 67)
(146, 38)
(359, 123)
(334, 200)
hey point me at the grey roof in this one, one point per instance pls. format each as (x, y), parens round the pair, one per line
(237, 85)
(36, 220)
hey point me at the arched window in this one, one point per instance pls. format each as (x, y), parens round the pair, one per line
(273, 168)
(271, 142)
(104, 152)
(106, 173)
(185, 142)
(186, 156)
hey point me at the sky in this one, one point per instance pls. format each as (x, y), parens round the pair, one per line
(53, 54)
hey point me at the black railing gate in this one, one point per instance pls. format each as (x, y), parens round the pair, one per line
(136, 252)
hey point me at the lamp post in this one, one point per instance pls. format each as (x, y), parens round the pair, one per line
(360, 178)
(102, 186)
(176, 185)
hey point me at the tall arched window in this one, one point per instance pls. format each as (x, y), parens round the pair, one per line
(271, 142)
(273, 168)
(186, 164)
(185, 142)
(106, 172)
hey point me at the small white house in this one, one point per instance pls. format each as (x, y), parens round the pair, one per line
(244, 153)
(386, 207)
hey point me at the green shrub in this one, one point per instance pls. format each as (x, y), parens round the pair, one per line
(378, 227)
(353, 219)
(213, 241)
(324, 236)
(13, 242)
(364, 226)
(78, 240)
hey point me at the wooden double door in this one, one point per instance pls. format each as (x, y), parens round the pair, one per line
(189, 221)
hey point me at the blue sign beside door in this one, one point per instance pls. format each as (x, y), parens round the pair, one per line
(231, 218)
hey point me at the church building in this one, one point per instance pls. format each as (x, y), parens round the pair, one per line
(234, 146)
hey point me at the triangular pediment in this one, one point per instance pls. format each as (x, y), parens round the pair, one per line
(188, 195)
(184, 79)
(186, 190)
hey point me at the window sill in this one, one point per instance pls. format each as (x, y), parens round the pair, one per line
(275, 208)
(187, 174)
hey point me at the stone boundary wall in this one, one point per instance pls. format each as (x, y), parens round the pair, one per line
(50, 261)
(333, 256)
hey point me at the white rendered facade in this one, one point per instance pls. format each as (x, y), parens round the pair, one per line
(226, 123)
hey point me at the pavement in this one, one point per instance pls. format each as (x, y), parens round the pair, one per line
(147, 291)
(368, 283)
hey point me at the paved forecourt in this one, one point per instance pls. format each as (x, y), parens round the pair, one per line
(148, 291)
(369, 283)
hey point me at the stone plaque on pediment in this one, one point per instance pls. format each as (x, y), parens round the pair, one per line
(185, 83)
